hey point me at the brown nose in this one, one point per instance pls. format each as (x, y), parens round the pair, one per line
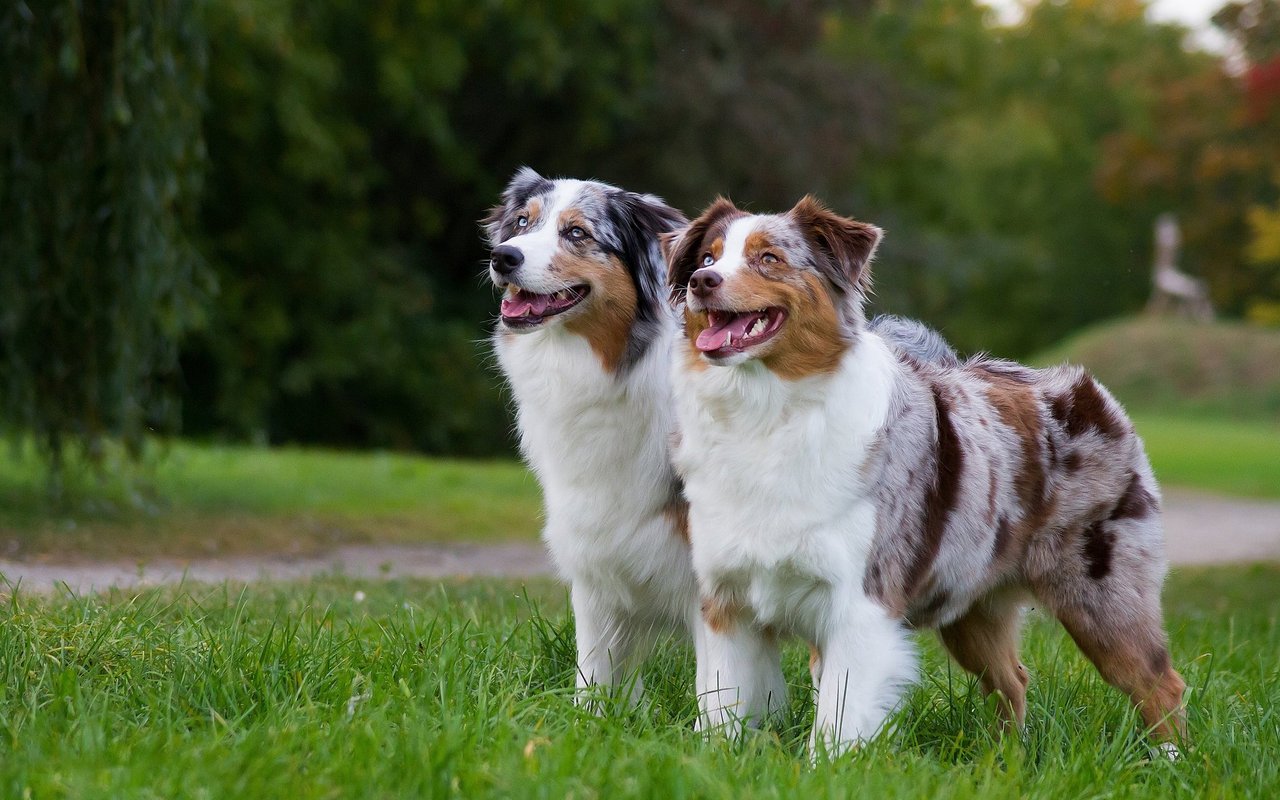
(702, 282)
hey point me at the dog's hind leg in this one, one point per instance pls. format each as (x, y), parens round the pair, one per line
(985, 642)
(1109, 601)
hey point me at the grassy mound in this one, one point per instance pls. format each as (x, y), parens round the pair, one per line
(1159, 365)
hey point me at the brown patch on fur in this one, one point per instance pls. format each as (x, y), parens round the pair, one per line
(608, 313)
(815, 663)
(684, 249)
(941, 497)
(986, 644)
(848, 243)
(1017, 406)
(1072, 462)
(926, 615)
(1098, 544)
(873, 583)
(1136, 502)
(1003, 539)
(695, 322)
(1159, 660)
(810, 342)
(677, 512)
(1086, 409)
(1060, 408)
(720, 616)
(755, 246)
(534, 211)
(991, 495)
(1136, 661)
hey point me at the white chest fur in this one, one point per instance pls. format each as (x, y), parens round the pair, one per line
(599, 446)
(780, 514)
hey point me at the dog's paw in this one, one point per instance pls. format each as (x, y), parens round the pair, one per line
(1168, 751)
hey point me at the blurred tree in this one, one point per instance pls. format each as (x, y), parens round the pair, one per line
(101, 152)
(1211, 154)
(1255, 27)
(746, 99)
(997, 230)
(354, 146)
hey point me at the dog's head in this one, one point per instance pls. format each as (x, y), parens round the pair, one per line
(787, 289)
(581, 254)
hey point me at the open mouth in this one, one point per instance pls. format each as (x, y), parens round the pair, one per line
(523, 309)
(730, 332)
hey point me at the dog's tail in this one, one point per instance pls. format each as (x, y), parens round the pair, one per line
(915, 339)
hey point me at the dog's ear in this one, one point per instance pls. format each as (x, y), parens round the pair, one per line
(652, 214)
(638, 221)
(682, 248)
(524, 184)
(844, 246)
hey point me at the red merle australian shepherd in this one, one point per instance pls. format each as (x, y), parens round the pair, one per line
(847, 482)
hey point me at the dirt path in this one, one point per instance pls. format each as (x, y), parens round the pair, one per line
(1200, 529)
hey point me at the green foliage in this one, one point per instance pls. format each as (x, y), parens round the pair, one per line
(355, 146)
(997, 231)
(464, 690)
(101, 153)
(1209, 154)
(352, 147)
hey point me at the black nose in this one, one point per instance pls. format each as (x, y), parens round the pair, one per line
(505, 259)
(703, 281)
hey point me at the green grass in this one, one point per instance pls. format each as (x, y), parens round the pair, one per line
(1241, 458)
(220, 499)
(229, 499)
(462, 690)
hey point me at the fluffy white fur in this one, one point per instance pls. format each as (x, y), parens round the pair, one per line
(783, 525)
(598, 442)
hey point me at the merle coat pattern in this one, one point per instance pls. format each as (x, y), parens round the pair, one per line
(849, 481)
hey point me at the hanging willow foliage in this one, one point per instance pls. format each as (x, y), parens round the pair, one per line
(100, 159)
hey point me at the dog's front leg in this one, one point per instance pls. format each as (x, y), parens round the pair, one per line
(739, 677)
(867, 660)
(606, 642)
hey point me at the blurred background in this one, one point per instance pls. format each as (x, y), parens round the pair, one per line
(254, 221)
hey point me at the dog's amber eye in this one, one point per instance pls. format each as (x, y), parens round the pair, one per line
(708, 260)
(769, 258)
(522, 221)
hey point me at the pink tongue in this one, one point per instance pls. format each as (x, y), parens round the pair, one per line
(525, 304)
(716, 338)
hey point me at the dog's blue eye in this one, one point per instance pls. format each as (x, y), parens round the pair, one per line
(708, 260)
(577, 233)
(769, 258)
(522, 222)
